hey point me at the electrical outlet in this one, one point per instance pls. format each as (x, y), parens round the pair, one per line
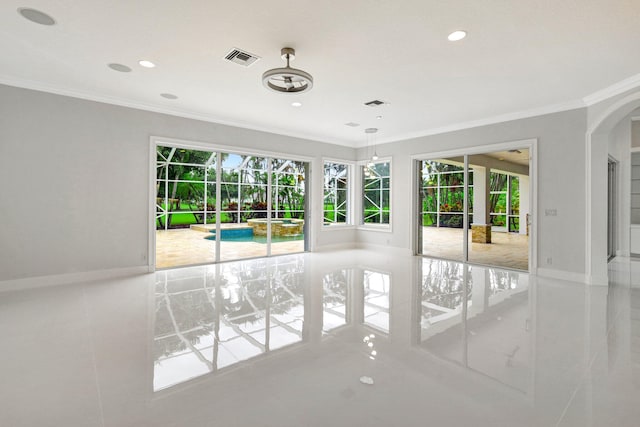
(549, 261)
(550, 212)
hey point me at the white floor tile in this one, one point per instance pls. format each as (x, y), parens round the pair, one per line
(245, 344)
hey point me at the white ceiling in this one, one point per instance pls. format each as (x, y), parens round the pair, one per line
(519, 57)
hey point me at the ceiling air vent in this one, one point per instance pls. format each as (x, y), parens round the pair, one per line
(352, 124)
(375, 103)
(241, 57)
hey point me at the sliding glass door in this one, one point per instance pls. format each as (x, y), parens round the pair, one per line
(220, 206)
(442, 184)
(476, 208)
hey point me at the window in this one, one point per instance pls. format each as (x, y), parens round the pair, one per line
(220, 201)
(376, 192)
(443, 193)
(336, 194)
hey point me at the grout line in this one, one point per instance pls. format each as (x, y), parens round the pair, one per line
(93, 356)
(589, 367)
(582, 382)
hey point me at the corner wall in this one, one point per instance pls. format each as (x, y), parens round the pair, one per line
(75, 190)
(561, 186)
(74, 174)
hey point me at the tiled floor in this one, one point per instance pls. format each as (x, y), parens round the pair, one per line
(324, 339)
(508, 250)
(182, 247)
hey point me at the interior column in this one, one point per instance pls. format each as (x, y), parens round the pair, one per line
(481, 226)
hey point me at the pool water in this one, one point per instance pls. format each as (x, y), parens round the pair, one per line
(246, 235)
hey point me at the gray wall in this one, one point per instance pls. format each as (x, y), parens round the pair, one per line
(75, 180)
(561, 173)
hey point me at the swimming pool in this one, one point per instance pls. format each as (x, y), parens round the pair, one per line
(246, 235)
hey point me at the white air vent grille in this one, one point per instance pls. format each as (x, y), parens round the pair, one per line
(241, 57)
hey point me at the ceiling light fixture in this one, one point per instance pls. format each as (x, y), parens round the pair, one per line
(287, 79)
(371, 134)
(457, 35)
(36, 16)
(168, 96)
(296, 104)
(146, 63)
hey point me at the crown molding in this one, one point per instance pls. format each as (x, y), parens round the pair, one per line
(613, 90)
(594, 98)
(556, 108)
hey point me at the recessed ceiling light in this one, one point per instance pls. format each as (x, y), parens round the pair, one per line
(296, 104)
(379, 117)
(146, 64)
(457, 35)
(168, 96)
(119, 67)
(36, 16)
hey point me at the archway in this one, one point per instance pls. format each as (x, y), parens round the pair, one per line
(596, 184)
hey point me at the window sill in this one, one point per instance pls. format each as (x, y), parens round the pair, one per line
(338, 227)
(384, 228)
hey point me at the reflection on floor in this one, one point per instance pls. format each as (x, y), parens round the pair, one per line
(508, 250)
(182, 247)
(342, 339)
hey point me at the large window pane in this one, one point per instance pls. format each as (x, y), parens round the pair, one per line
(244, 206)
(254, 192)
(185, 206)
(287, 206)
(376, 194)
(336, 193)
(442, 207)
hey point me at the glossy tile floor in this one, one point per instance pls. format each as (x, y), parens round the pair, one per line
(349, 338)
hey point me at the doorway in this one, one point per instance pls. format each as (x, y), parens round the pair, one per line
(476, 205)
(222, 205)
(612, 211)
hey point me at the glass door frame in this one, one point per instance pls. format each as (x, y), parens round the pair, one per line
(612, 208)
(416, 223)
(218, 149)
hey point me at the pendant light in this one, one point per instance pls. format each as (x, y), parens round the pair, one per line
(371, 136)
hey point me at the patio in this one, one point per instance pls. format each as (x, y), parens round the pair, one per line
(509, 250)
(188, 246)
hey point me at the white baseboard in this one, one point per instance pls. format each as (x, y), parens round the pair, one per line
(335, 247)
(70, 278)
(392, 250)
(562, 275)
(598, 280)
